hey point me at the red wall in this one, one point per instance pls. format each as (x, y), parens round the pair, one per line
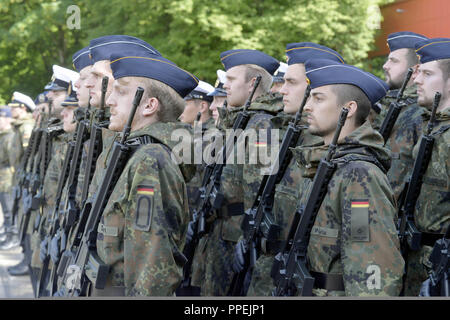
(428, 17)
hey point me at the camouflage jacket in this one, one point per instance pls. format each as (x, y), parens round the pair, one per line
(7, 160)
(433, 205)
(142, 230)
(240, 182)
(354, 233)
(405, 134)
(22, 130)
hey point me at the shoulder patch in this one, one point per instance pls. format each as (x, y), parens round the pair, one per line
(144, 207)
(360, 220)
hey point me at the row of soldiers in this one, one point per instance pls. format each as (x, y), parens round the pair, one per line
(355, 201)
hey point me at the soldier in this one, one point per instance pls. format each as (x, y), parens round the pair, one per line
(290, 187)
(100, 50)
(39, 226)
(21, 106)
(219, 95)
(408, 127)
(242, 67)
(278, 78)
(353, 247)
(142, 229)
(432, 214)
(198, 101)
(7, 162)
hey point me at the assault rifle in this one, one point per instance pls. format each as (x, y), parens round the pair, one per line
(409, 235)
(258, 222)
(210, 196)
(87, 268)
(394, 109)
(54, 219)
(289, 271)
(440, 259)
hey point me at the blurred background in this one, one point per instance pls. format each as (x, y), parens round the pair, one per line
(35, 34)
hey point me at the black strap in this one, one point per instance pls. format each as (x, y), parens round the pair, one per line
(328, 281)
(429, 239)
(357, 157)
(441, 130)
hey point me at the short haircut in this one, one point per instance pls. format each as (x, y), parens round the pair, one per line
(349, 92)
(252, 71)
(411, 57)
(171, 103)
(444, 65)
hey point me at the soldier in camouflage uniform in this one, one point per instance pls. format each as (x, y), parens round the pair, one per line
(353, 247)
(242, 67)
(278, 78)
(290, 187)
(408, 127)
(7, 161)
(142, 230)
(42, 219)
(432, 214)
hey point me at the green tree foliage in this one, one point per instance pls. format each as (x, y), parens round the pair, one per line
(34, 34)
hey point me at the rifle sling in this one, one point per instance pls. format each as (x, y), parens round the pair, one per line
(429, 239)
(328, 281)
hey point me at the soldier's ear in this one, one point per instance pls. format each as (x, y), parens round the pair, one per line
(352, 106)
(151, 107)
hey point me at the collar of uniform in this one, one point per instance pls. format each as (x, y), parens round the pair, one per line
(269, 102)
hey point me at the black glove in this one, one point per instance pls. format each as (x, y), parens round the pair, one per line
(239, 257)
(425, 289)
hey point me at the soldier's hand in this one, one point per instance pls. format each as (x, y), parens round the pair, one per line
(239, 257)
(54, 248)
(43, 249)
(425, 289)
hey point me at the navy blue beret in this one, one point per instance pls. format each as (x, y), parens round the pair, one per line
(299, 52)
(237, 57)
(322, 72)
(5, 111)
(403, 39)
(153, 67)
(433, 49)
(102, 48)
(81, 59)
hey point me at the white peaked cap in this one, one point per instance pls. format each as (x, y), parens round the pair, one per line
(65, 74)
(221, 75)
(204, 87)
(22, 98)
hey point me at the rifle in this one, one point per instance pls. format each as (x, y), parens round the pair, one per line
(394, 109)
(95, 142)
(54, 219)
(88, 267)
(440, 274)
(259, 220)
(78, 218)
(17, 189)
(289, 270)
(210, 196)
(409, 235)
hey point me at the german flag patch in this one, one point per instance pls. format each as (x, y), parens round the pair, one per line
(360, 204)
(144, 207)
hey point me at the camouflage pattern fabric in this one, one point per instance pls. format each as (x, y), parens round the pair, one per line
(432, 213)
(287, 194)
(143, 227)
(404, 136)
(22, 129)
(217, 247)
(354, 233)
(7, 160)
